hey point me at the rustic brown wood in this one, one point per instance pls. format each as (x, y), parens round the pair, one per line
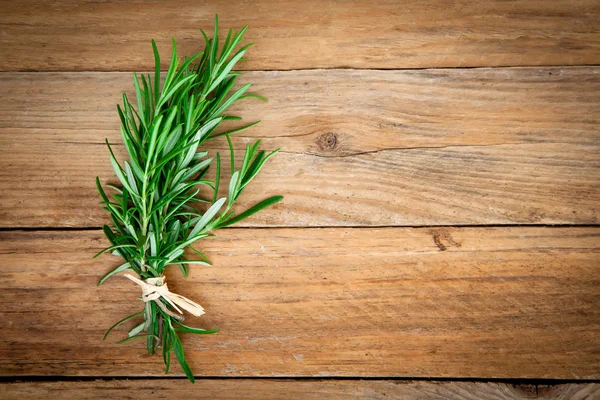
(234, 389)
(108, 36)
(431, 302)
(435, 147)
(568, 392)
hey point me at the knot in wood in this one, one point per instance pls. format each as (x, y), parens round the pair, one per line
(327, 141)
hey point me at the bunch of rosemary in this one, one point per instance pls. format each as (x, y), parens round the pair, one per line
(155, 213)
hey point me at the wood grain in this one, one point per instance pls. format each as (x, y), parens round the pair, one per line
(108, 36)
(361, 302)
(434, 147)
(238, 389)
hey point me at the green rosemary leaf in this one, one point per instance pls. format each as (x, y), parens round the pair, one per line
(181, 204)
(255, 96)
(153, 246)
(206, 54)
(111, 248)
(184, 68)
(174, 153)
(252, 210)
(197, 138)
(184, 269)
(145, 335)
(119, 171)
(147, 92)
(166, 128)
(136, 330)
(153, 258)
(217, 178)
(235, 130)
(174, 255)
(199, 155)
(182, 263)
(249, 155)
(152, 270)
(204, 258)
(167, 345)
(227, 50)
(231, 154)
(224, 55)
(152, 141)
(208, 215)
(152, 326)
(121, 268)
(168, 197)
(195, 169)
(139, 96)
(156, 70)
(255, 168)
(223, 90)
(165, 97)
(232, 99)
(233, 185)
(130, 178)
(172, 140)
(137, 170)
(178, 349)
(188, 329)
(115, 188)
(120, 322)
(129, 141)
(226, 70)
(172, 68)
(101, 191)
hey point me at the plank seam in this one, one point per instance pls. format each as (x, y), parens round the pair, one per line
(510, 381)
(100, 71)
(466, 226)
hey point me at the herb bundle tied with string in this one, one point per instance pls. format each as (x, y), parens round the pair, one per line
(156, 210)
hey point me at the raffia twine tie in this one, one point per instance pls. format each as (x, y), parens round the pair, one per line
(155, 288)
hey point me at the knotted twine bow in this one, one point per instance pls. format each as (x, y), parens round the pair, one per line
(155, 288)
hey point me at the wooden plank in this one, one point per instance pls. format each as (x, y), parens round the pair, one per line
(385, 302)
(234, 389)
(431, 147)
(107, 36)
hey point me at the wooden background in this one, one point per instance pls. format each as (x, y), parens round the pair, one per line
(439, 235)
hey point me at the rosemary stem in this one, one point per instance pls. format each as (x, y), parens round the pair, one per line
(170, 313)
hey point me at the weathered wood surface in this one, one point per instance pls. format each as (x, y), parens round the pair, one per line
(432, 302)
(238, 389)
(434, 147)
(108, 36)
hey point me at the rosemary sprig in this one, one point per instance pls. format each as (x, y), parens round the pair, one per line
(153, 213)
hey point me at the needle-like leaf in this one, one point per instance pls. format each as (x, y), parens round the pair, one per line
(120, 322)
